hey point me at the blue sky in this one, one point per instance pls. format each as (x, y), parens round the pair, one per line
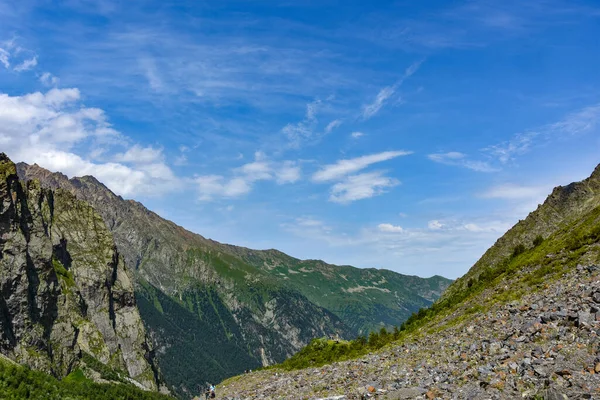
(396, 135)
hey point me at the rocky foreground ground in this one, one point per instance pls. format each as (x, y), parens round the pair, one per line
(545, 345)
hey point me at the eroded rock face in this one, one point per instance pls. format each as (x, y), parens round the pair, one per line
(64, 288)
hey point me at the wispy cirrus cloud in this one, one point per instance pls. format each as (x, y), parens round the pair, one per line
(26, 65)
(509, 191)
(304, 131)
(332, 125)
(351, 186)
(579, 122)
(344, 167)
(461, 160)
(369, 110)
(11, 52)
(361, 186)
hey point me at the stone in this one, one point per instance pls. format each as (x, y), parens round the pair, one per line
(59, 259)
(554, 394)
(406, 393)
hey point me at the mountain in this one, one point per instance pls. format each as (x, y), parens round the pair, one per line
(67, 302)
(522, 323)
(214, 310)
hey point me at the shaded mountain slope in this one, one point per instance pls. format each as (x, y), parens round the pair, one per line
(255, 307)
(67, 301)
(522, 323)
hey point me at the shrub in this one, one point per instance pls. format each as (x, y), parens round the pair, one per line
(519, 249)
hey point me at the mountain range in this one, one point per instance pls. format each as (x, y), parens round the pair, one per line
(197, 310)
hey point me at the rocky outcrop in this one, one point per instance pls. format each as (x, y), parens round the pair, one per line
(66, 298)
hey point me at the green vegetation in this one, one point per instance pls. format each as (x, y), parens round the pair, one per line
(524, 268)
(105, 372)
(18, 382)
(324, 351)
(64, 275)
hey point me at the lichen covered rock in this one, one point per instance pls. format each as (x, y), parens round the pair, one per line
(65, 291)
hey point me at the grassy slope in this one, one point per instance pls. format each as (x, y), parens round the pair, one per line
(364, 299)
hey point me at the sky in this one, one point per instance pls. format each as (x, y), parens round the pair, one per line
(390, 134)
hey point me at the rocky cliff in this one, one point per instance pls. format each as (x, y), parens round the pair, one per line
(67, 301)
(214, 310)
(522, 323)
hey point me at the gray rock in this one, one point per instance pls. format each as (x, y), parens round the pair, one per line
(405, 393)
(554, 394)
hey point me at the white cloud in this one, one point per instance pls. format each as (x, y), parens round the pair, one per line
(48, 79)
(26, 65)
(373, 108)
(151, 73)
(435, 225)
(369, 110)
(262, 169)
(511, 191)
(453, 225)
(140, 155)
(332, 125)
(356, 135)
(243, 178)
(344, 167)
(44, 128)
(459, 159)
(490, 226)
(257, 170)
(361, 186)
(211, 186)
(577, 123)
(288, 172)
(389, 228)
(4, 58)
(305, 130)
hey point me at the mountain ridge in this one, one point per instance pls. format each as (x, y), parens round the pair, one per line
(256, 307)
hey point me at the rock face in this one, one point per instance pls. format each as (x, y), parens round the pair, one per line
(522, 323)
(214, 310)
(66, 299)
